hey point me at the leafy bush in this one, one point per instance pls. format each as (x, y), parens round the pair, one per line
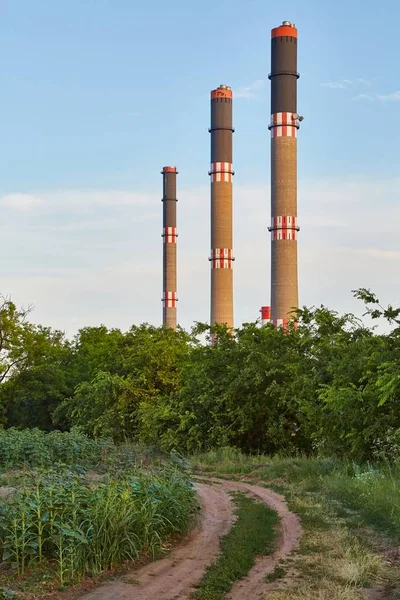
(36, 448)
(86, 528)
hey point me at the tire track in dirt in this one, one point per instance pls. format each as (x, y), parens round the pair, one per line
(254, 585)
(175, 577)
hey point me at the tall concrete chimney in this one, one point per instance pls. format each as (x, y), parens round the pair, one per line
(221, 173)
(169, 235)
(284, 126)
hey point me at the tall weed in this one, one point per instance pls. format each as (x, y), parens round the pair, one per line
(88, 528)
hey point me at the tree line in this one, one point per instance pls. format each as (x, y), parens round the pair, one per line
(329, 386)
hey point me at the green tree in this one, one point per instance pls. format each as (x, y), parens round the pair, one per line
(123, 372)
(22, 348)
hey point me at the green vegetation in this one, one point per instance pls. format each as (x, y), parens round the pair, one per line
(253, 534)
(350, 520)
(331, 387)
(35, 448)
(61, 522)
(82, 498)
(371, 491)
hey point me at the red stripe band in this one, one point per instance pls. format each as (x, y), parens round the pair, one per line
(284, 228)
(280, 323)
(169, 234)
(169, 300)
(284, 124)
(221, 171)
(221, 258)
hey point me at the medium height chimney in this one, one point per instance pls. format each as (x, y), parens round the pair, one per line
(169, 234)
(284, 126)
(221, 173)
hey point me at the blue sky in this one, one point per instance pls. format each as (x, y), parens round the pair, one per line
(96, 96)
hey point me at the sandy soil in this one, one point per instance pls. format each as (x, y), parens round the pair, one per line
(175, 577)
(253, 585)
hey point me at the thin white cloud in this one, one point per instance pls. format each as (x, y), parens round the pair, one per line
(393, 97)
(348, 239)
(73, 200)
(363, 97)
(364, 81)
(21, 202)
(335, 85)
(345, 84)
(378, 253)
(250, 91)
(91, 223)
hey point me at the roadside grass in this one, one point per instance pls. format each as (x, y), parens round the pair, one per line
(231, 459)
(351, 525)
(373, 491)
(253, 534)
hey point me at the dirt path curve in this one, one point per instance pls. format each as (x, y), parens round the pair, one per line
(253, 585)
(174, 577)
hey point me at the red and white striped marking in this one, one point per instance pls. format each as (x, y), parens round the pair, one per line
(284, 227)
(265, 314)
(170, 299)
(221, 171)
(283, 323)
(280, 323)
(169, 235)
(221, 258)
(283, 124)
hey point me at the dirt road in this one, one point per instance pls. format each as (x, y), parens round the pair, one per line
(174, 577)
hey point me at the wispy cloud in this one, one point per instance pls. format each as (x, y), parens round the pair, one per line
(250, 91)
(335, 85)
(21, 202)
(363, 81)
(362, 97)
(345, 84)
(393, 97)
(356, 85)
(72, 200)
(106, 266)
(378, 253)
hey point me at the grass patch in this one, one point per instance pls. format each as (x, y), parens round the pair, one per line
(253, 534)
(350, 516)
(372, 491)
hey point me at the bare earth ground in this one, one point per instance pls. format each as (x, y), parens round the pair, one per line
(253, 585)
(175, 577)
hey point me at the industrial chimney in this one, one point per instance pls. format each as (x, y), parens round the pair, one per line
(169, 235)
(265, 315)
(221, 173)
(283, 127)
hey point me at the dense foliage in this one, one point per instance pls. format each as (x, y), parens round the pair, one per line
(61, 517)
(332, 385)
(90, 528)
(36, 449)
